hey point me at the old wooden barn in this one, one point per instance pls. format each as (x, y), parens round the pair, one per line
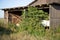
(51, 6)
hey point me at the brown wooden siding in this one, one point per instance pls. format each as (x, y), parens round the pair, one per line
(14, 17)
(54, 1)
(54, 15)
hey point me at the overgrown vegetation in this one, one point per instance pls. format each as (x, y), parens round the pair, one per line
(31, 21)
(30, 28)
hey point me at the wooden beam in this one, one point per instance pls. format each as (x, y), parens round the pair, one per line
(5, 16)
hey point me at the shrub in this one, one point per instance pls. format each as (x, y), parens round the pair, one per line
(13, 27)
(31, 21)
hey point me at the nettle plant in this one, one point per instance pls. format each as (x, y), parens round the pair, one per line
(31, 21)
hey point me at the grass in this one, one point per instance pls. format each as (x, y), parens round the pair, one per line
(3, 28)
(7, 34)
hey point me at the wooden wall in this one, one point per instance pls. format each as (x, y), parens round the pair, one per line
(14, 17)
(54, 11)
(54, 1)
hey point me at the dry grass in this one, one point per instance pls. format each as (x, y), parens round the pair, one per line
(24, 35)
(18, 36)
(49, 35)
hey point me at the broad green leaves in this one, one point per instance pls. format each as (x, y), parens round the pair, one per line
(31, 21)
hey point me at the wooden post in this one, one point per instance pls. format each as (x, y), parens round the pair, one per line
(5, 17)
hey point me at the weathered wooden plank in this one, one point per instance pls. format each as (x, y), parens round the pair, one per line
(54, 1)
(5, 16)
(14, 17)
(54, 15)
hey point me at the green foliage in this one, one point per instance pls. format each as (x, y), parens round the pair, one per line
(31, 21)
(2, 22)
(55, 33)
(58, 29)
(13, 27)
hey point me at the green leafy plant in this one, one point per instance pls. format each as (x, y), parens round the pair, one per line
(31, 21)
(13, 27)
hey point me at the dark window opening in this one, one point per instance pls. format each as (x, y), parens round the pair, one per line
(46, 10)
(19, 13)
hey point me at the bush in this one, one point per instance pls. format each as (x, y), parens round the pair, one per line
(1, 24)
(13, 27)
(31, 21)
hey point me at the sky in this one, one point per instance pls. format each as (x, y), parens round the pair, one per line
(11, 4)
